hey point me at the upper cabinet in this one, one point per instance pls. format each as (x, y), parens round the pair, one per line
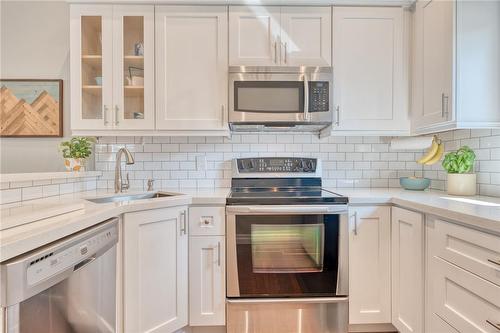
(191, 67)
(456, 69)
(112, 67)
(370, 71)
(279, 36)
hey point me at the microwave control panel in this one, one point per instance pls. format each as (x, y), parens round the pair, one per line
(319, 100)
(276, 165)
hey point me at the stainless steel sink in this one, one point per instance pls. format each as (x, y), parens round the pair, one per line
(132, 197)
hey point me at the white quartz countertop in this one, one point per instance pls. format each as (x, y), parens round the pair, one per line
(478, 211)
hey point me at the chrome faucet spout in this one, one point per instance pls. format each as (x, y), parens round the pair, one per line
(121, 185)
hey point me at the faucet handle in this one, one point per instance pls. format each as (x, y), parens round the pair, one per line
(150, 184)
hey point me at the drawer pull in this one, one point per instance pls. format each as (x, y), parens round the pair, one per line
(497, 326)
(496, 262)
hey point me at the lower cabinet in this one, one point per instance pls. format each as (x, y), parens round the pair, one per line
(407, 270)
(463, 278)
(207, 282)
(155, 270)
(370, 265)
(207, 262)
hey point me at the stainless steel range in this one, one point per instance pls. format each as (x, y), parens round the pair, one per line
(287, 249)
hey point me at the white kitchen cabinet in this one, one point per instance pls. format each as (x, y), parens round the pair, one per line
(467, 302)
(407, 255)
(254, 36)
(155, 270)
(279, 36)
(207, 281)
(370, 62)
(306, 36)
(191, 68)
(370, 265)
(462, 275)
(456, 72)
(207, 262)
(112, 84)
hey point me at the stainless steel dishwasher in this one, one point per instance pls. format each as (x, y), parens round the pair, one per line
(64, 287)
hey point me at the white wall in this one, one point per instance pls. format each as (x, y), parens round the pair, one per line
(34, 44)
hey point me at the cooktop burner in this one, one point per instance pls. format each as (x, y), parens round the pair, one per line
(280, 181)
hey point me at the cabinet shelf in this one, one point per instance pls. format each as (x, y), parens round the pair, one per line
(92, 59)
(134, 90)
(134, 61)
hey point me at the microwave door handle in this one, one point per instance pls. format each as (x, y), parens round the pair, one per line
(306, 98)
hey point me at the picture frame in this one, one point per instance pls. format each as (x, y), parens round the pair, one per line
(31, 108)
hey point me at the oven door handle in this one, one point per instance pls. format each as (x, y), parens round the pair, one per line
(288, 209)
(310, 300)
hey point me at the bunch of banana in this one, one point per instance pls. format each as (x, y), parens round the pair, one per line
(434, 153)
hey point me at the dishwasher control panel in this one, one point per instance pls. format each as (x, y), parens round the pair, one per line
(74, 256)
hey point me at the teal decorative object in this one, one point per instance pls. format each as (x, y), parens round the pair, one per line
(414, 184)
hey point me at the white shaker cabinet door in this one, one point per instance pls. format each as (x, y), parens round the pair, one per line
(370, 265)
(133, 72)
(407, 271)
(207, 281)
(369, 71)
(254, 36)
(191, 68)
(155, 267)
(306, 36)
(433, 99)
(91, 30)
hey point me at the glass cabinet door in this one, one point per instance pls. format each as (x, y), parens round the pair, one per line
(134, 65)
(91, 32)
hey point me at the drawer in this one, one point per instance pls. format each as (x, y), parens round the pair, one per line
(207, 221)
(473, 250)
(465, 301)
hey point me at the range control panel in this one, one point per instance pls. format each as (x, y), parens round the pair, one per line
(277, 165)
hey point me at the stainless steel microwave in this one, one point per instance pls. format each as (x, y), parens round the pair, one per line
(280, 98)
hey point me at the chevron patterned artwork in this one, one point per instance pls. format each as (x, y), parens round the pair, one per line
(31, 108)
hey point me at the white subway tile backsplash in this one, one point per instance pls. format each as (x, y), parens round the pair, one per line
(347, 161)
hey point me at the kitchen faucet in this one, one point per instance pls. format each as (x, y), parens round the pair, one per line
(120, 185)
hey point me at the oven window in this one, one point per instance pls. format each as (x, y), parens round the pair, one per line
(287, 255)
(288, 248)
(269, 96)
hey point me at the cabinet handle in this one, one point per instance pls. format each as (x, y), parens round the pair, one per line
(105, 115)
(444, 106)
(286, 53)
(497, 326)
(446, 103)
(337, 115)
(183, 225)
(116, 115)
(223, 115)
(218, 254)
(355, 230)
(493, 261)
(275, 52)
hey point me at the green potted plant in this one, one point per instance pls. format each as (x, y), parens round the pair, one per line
(459, 165)
(75, 152)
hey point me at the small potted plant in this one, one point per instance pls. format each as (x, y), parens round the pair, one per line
(75, 152)
(459, 165)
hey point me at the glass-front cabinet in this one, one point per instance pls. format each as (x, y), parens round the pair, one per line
(112, 83)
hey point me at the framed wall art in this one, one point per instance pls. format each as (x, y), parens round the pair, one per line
(31, 108)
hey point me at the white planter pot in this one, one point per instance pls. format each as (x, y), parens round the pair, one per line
(74, 164)
(462, 183)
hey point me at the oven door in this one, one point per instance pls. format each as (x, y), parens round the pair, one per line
(257, 98)
(287, 251)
